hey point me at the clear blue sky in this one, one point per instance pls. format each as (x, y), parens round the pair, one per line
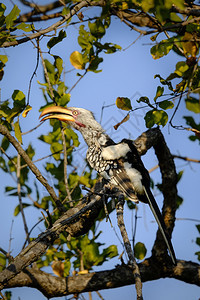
(128, 73)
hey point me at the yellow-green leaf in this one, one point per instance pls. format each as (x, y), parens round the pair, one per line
(76, 60)
(12, 16)
(3, 58)
(123, 103)
(26, 111)
(140, 250)
(25, 27)
(193, 104)
(18, 132)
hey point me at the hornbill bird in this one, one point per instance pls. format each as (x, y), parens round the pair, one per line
(120, 164)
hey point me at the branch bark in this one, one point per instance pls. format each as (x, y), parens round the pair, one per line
(52, 286)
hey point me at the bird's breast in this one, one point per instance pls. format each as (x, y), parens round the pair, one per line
(97, 162)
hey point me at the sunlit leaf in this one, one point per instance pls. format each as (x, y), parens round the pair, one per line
(3, 58)
(123, 103)
(77, 61)
(26, 111)
(193, 104)
(2, 9)
(159, 92)
(158, 117)
(97, 28)
(18, 209)
(12, 16)
(140, 251)
(25, 27)
(18, 98)
(161, 49)
(181, 68)
(2, 262)
(18, 132)
(189, 45)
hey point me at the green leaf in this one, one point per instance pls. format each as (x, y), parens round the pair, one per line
(144, 100)
(179, 175)
(94, 63)
(140, 250)
(3, 58)
(164, 82)
(198, 227)
(123, 103)
(58, 63)
(193, 104)
(166, 104)
(18, 210)
(5, 143)
(18, 98)
(57, 39)
(162, 48)
(159, 92)
(97, 28)
(179, 201)
(2, 9)
(18, 132)
(76, 59)
(2, 262)
(181, 68)
(64, 99)
(158, 117)
(25, 27)
(12, 16)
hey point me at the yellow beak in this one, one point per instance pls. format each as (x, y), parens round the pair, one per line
(57, 112)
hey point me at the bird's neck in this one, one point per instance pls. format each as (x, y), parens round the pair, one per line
(95, 135)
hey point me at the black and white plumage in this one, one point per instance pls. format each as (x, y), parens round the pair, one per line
(120, 163)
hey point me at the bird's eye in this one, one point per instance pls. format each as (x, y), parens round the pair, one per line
(75, 113)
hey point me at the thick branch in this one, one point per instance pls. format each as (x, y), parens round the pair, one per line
(52, 286)
(169, 190)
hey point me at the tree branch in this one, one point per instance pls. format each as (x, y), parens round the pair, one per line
(55, 26)
(169, 190)
(52, 286)
(127, 245)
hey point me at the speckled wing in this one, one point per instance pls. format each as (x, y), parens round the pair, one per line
(120, 178)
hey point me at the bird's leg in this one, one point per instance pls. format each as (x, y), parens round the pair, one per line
(104, 198)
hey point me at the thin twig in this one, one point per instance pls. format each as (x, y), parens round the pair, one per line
(186, 158)
(127, 244)
(46, 73)
(177, 106)
(10, 239)
(34, 72)
(20, 196)
(65, 168)
(75, 84)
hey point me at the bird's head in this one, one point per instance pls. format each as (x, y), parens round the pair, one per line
(79, 118)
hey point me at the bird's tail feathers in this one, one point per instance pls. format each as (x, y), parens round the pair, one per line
(157, 214)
